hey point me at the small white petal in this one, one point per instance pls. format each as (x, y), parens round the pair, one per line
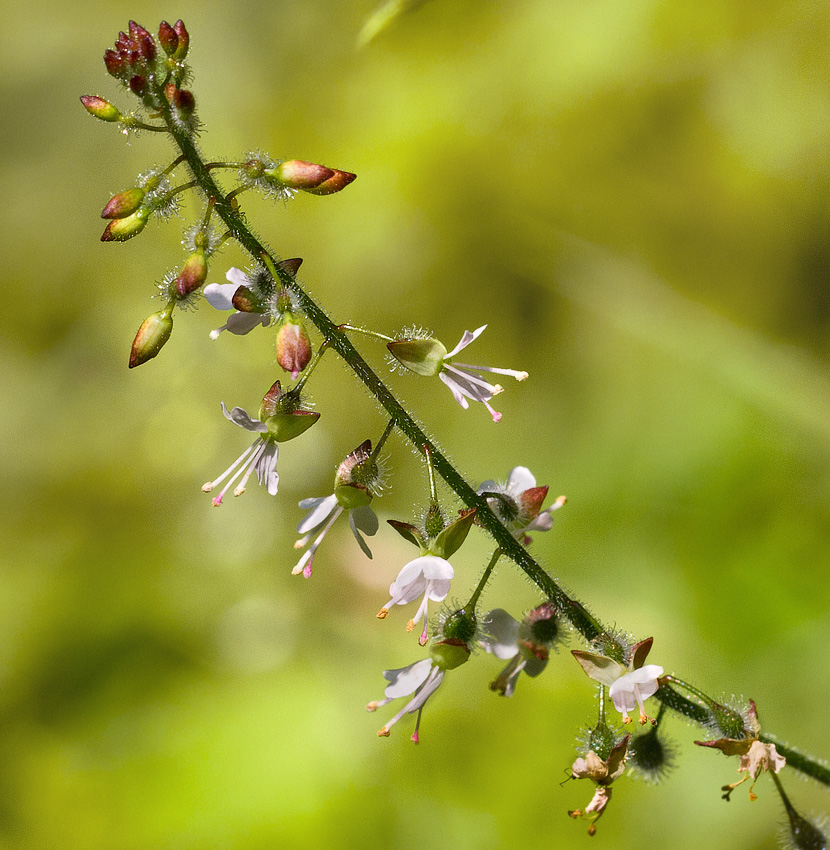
(366, 520)
(434, 567)
(319, 514)
(357, 535)
(488, 486)
(220, 295)
(519, 480)
(437, 590)
(239, 416)
(237, 277)
(266, 468)
(405, 680)
(243, 323)
(465, 341)
(454, 389)
(502, 633)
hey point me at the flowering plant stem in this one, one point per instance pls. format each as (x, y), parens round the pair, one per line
(226, 207)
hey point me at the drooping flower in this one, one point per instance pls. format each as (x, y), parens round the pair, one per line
(518, 503)
(429, 575)
(602, 773)
(525, 645)
(755, 755)
(421, 679)
(356, 482)
(427, 356)
(282, 418)
(628, 685)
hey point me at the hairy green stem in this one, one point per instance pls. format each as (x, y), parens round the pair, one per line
(583, 621)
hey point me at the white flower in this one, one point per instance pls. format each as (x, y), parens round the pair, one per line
(220, 296)
(428, 576)
(260, 457)
(632, 688)
(519, 503)
(421, 678)
(502, 639)
(323, 512)
(628, 686)
(464, 384)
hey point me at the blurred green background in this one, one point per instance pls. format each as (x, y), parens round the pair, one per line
(634, 195)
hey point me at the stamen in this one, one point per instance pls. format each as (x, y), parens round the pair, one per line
(258, 446)
(475, 380)
(513, 373)
(494, 413)
(423, 638)
(206, 488)
(383, 613)
(240, 489)
(306, 561)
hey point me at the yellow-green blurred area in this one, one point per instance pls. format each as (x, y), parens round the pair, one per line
(633, 195)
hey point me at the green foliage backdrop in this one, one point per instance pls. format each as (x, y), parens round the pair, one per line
(633, 194)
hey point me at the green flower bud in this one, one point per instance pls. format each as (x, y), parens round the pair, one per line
(154, 332)
(124, 203)
(122, 229)
(100, 108)
(449, 654)
(422, 356)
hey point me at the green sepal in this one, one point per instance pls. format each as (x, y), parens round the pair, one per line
(449, 541)
(422, 356)
(352, 496)
(286, 426)
(449, 654)
(411, 533)
(601, 669)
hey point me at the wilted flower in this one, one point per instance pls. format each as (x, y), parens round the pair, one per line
(421, 679)
(429, 357)
(518, 503)
(602, 773)
(755, 755)
(628, 686)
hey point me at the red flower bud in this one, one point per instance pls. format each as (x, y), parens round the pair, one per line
(299, 174)
(193, 274)
(154, 332)
(124, 203)
(138, 84)
(184, 39)
(293, 346)
(100, 108)
(184, 102)
(339, 180)
(168, 37)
